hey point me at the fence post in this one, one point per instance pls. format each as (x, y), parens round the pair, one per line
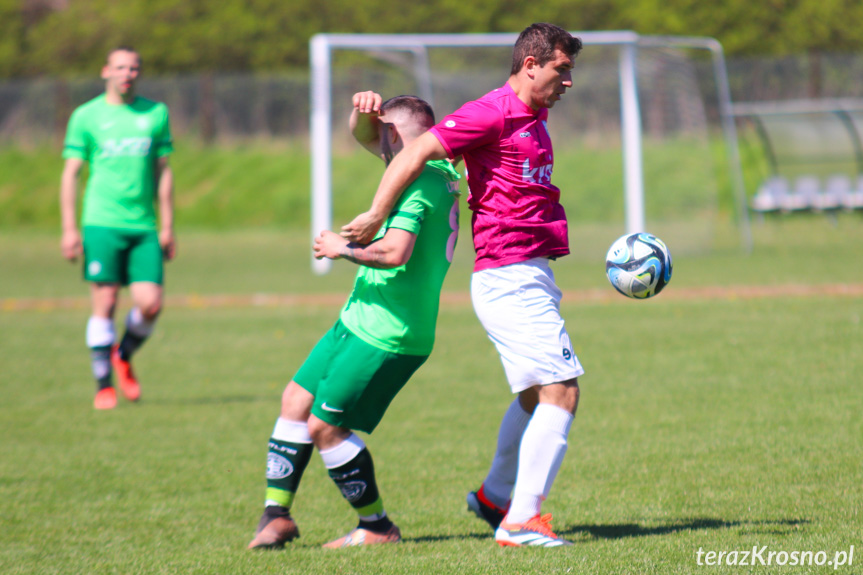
(61, 110)
(208, 109)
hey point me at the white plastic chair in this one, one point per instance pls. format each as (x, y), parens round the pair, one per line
(803, 195)
(853, 200)
(770, 194)
(836, 188)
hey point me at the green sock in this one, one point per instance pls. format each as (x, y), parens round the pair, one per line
(286, 462)
(356, 480)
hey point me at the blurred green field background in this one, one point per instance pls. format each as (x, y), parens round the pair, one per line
(716, 422)
(267, 184)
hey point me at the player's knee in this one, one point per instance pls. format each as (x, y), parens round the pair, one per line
(151, 309)
(296, 403)
(325, 435)
(319, 430)
(564, 394)
(528, 399)
(104, 300)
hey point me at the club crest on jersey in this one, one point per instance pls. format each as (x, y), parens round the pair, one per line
(94, 268)
(278, 467)
(353, 490)
(450, 124)
(524, 135)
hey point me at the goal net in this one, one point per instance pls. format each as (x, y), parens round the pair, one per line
(642, 139)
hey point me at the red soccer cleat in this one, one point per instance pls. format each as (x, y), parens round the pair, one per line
(105, 398)
(125, 376)
(485, 509)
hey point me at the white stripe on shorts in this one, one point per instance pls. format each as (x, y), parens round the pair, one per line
(519, 307)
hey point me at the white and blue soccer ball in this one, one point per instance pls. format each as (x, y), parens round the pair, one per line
(638, 265)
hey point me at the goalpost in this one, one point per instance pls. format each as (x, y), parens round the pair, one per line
(628, 44)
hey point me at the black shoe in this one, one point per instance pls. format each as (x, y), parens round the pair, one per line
(485, 510)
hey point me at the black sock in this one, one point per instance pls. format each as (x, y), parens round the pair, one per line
(100, 359)
(286, 462)
(381, 525)
(273, 511)
(129, 345)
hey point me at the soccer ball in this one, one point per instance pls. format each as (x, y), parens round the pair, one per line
(638, 265)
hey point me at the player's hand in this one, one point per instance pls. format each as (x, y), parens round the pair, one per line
(362, 228)
(329, 245)
(367, 102)
(70, 245)
(168, 243)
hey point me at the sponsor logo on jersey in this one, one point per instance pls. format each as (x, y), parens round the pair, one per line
(450, 124)
(278, 467)
(538, 175)
(524, 135)
(126, 147)
(326, 407)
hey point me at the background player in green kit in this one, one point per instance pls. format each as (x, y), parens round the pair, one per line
(384, 333)
(126, 140)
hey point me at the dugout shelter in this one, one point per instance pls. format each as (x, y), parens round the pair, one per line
(814, 153)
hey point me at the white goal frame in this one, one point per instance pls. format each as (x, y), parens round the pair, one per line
(322, 45)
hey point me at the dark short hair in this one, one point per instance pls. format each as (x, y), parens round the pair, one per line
(122, 48)
(415, 107)
(540, 41)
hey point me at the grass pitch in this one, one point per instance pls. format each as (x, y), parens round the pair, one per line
(706, 423)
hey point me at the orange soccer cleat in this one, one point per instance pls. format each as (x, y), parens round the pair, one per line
(535, 532)
(106, 398)
(125, 376)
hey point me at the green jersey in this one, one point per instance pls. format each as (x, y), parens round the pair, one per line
(396, 309)
(122, 143)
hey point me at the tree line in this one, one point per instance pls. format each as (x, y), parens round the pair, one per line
(70, 37)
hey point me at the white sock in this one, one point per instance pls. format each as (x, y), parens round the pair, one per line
(500, 480)
(542, 449)
(100, 332)
(343, 452)
(136, 323)
(100, 338)
(292, 431)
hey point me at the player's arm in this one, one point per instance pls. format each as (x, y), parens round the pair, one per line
(364, 122)
(70, 241)
(165, 191)
(404, 169)
(392, 250)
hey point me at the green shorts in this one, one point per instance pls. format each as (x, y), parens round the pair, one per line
(119, 256)
(353, 382)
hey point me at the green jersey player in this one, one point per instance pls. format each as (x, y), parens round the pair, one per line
(126, 140)
(384, 333)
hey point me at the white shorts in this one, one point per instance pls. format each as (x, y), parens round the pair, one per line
(519, 307)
